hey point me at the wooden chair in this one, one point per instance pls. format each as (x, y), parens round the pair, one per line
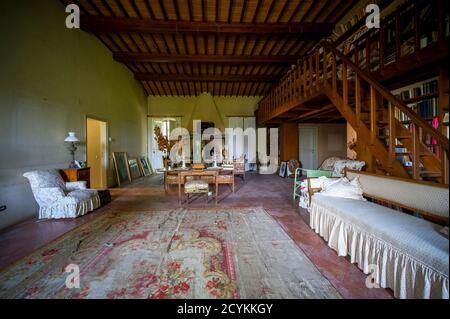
(227, 178)
(197, 186)
(239, 167)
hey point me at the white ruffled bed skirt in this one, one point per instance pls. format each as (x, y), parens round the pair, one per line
(70, 210)
(407, 277)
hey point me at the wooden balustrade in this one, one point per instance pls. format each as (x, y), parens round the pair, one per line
(326, 70)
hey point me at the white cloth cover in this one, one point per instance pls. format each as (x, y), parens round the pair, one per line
(58, 199)
(318, 182)
(342, 188)
(349, 164)
(410, 254)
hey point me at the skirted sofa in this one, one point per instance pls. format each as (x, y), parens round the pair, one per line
(58, 199)
(404, 252)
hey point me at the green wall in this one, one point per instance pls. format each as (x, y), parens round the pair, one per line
(51, 78)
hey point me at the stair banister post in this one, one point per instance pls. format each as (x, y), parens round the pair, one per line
(304, 78)
(334, 73)
(344, 84)
(310, 65)
(317, 68)
(392, 135)
(325, 66)
(416, 152)
(358, 98)
(373, 115)
(299, 79)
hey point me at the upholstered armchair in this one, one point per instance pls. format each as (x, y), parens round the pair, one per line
(58, 199)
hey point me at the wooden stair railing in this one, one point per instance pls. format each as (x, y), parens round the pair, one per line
(369, 108)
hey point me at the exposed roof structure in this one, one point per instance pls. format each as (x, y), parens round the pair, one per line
(225, 47)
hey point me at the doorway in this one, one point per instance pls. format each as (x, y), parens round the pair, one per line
(97, 152)
(308, 147)
(166, 124)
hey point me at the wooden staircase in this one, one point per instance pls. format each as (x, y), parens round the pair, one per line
(368, 107)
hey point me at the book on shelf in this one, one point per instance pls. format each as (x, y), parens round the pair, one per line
(430, 87)
(427, 108)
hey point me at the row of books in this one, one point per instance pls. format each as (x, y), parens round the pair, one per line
(427, 109)
(426, 88)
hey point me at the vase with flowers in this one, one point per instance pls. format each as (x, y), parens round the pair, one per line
(164, 145)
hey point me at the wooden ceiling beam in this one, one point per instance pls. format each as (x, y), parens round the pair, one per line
(204, 58)
(91, 23)
(212, 78)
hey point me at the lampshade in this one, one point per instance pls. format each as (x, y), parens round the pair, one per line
(71, 138)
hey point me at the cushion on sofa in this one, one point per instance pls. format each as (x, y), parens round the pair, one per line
(343, 188)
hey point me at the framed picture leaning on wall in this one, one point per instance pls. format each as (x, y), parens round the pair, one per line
(145, 166)
(123, 174)
(134, 168)
(283, 168)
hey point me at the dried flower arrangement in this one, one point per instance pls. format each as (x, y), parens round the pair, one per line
(164, 144)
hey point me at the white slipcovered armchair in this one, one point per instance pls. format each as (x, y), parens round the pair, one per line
(58, 199)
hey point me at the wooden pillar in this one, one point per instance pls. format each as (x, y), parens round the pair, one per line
(288, 136)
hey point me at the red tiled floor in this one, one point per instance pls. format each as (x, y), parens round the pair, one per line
(270, 191)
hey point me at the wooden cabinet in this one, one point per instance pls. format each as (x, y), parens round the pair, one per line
(77, 174)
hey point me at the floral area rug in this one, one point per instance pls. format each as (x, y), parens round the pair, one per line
(236, 253)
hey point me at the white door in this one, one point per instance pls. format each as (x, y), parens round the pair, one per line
(308, 147)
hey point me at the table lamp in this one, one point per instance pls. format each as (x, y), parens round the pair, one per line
(72, 141)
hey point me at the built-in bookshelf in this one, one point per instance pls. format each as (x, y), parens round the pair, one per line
(423, 98)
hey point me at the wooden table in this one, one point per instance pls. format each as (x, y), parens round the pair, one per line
(224, 176)
(77, 175)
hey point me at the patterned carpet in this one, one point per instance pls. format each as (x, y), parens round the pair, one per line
(236, 253)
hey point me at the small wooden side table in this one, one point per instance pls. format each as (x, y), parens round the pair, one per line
(77, 175)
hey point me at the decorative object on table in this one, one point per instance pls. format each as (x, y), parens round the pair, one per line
(216, 158)
(123, 174)
(72, 141)
(144, 164)
(77, 175)
(292, 166)
(220, 269)
(198, 166)
(164, 145)
(283, 168)
(134, 168)
(58, 199)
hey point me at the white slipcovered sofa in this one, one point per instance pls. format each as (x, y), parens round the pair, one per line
(403, 252)
(58, 199)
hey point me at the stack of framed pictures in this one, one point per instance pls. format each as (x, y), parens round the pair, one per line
(129, 169)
